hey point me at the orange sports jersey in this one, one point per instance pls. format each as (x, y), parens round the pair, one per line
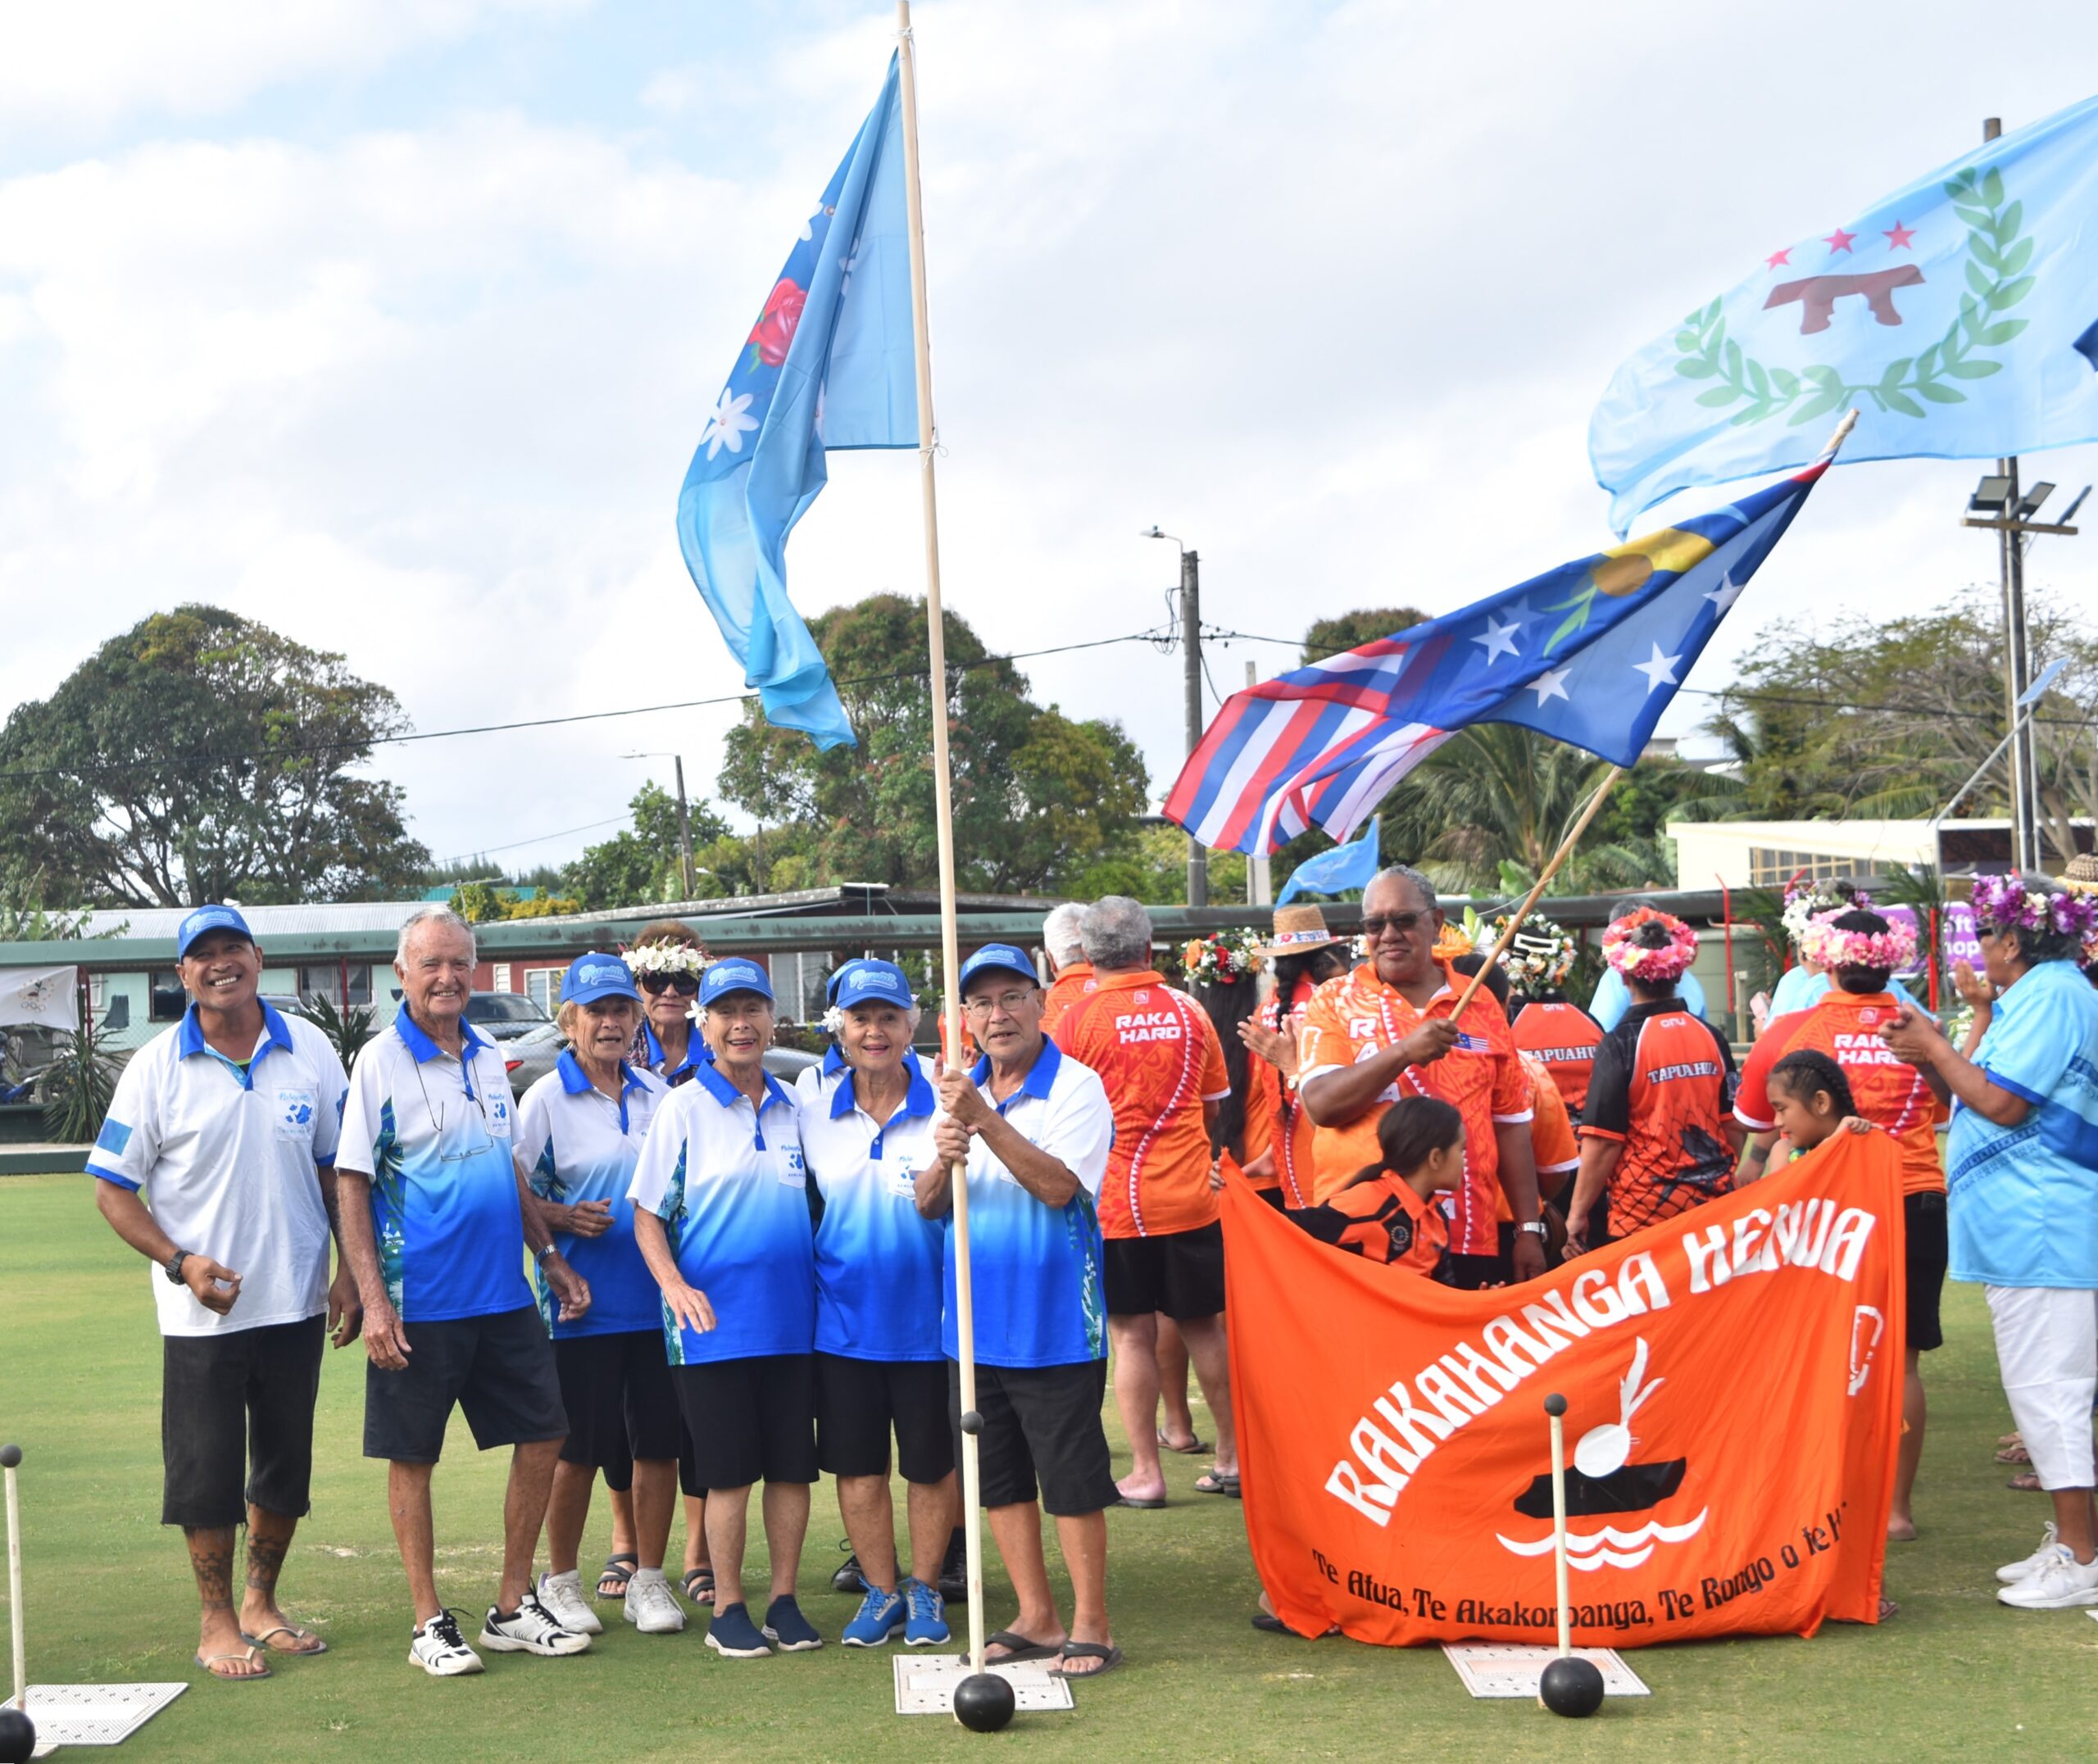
(1889, 1092)
(1263, 1083)
(1292, 1130)
(1663, 1084)
(1072, 983)
(1565, 1038)
(1356, 1016)
(1383, 1220)
(1553, 1147)
(1157, 1053)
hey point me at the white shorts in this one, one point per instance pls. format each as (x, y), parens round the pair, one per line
(2047, 1353)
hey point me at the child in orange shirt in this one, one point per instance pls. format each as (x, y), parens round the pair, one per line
(1389, 1212)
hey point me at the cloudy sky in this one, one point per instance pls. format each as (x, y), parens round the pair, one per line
(393, 323)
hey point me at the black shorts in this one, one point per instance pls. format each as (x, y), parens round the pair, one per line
(616, 1390)
(1039, 1421)
(1476, 1273)
(238, 1400)
(498, 1368)
(1273, 1197)
(1923, 1218)
(858, 1401)
(750, 1420)
(1178, 1273)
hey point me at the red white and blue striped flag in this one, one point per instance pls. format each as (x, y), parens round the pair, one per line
(1589, 654)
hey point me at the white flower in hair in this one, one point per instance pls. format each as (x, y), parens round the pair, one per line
(665, 958)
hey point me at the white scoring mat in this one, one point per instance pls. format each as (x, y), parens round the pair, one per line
(925, 1682)
(1512, 1669)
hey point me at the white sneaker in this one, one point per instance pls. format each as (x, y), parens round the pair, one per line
(2012, 1572)
(2058, 1584)
(530, 1629)
(440, 1650)
(562, 1594)
(651, 1606)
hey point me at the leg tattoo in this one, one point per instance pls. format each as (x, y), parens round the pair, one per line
(265, 1560)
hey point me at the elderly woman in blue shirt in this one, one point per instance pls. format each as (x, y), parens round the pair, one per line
(2022, 1198)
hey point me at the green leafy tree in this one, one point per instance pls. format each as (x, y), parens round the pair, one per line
(1347, 631)
(1037, 795)
(201, 757)
(640, 866)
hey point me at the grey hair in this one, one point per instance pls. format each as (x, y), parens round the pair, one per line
(1406, 873)
(433, 915)
(1116, 932)
(1061, 935)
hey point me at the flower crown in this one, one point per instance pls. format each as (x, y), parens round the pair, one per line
(1538, 957)
(2002, 902)
(1808, 900)
(1222, 959)
(1636, 961)
(1827, 943)
(665, 958)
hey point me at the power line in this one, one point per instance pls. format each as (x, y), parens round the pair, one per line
(206, 756)
(486, 851)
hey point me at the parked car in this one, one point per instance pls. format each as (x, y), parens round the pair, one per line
(505, 1016)
(531, 1056)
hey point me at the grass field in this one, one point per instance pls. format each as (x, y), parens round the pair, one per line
(110, 1599)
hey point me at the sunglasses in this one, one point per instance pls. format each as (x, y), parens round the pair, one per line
(685, 985)
(1374, 925)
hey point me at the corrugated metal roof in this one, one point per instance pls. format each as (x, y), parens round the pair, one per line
(264, 921)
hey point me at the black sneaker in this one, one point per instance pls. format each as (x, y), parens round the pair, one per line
(847, 1578)
(954, 1569)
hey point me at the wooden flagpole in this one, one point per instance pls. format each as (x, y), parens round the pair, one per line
(1530, 900)
(943, 795)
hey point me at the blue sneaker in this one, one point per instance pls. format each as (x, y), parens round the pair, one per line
(879, 1616)
(927, 1627)
(785, 1625)
(733, 1635)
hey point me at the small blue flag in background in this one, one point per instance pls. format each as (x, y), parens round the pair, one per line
(829, 364)
(1350, 866)
(1951, 314)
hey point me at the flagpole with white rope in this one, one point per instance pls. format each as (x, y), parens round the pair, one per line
(1588, 814)
(943, 796)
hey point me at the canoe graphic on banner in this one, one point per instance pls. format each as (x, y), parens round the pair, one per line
(1733, 1382)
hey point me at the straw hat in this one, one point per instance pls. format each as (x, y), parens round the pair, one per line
(1298, 930)
(2081, 875)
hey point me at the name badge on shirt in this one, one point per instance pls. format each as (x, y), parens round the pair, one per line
(294, 1115)
(903, 1178)
(793, 1173)
(499, 1115)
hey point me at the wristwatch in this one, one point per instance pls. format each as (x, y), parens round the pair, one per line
(1534, 1226)
(173, 1266)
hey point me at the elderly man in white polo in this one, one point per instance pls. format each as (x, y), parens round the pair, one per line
(215, 1164)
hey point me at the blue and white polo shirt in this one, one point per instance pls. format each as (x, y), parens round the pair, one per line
(226, 1160)
(878, 1258)
(576, 1144)
(1037, 1281)
(698, 1053)
(433, 1132)
(728, 1181)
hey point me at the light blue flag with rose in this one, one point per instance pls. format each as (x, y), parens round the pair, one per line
(1959, 315)
(830, 364)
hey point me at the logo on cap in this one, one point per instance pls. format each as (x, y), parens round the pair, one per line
(601, 976)
(866, 977)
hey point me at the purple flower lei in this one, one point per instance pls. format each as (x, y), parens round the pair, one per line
(2002, 902)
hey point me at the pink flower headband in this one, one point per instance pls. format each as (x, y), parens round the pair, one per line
(1636, 961)
(1827, 943)
(2002, 902)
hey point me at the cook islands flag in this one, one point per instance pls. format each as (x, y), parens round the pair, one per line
(828, 365)
(1589, 654)
(1959, 315)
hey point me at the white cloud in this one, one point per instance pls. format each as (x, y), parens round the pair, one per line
(1328, 293)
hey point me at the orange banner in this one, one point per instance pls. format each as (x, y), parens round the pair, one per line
(1733, 1382)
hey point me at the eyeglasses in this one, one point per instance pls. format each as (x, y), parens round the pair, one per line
(1374, 925)
(685, 985)
(1005, 1005)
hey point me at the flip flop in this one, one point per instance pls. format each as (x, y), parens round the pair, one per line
(1021, 1648)
(251, 1654)
(2027, 1484)
(1216, 1482)
(1108, 1654)
(1194, 1449)
(296, 1633)
(1270, 1624)
(2013, 1454)
(699, 1585)
(618, 1571)
(1142, 1506)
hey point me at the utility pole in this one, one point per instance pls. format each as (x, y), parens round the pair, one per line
(1259, 886)
(1191, 633)
(684, 826)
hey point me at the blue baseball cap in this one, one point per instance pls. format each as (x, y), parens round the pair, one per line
(735, 975)
(870, 982)
(206, 919)
(593, 976)
(999, 956)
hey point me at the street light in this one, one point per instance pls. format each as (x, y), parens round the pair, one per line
(1190, 629)
(1990, 495)
(2028, 505)
(684, 815)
